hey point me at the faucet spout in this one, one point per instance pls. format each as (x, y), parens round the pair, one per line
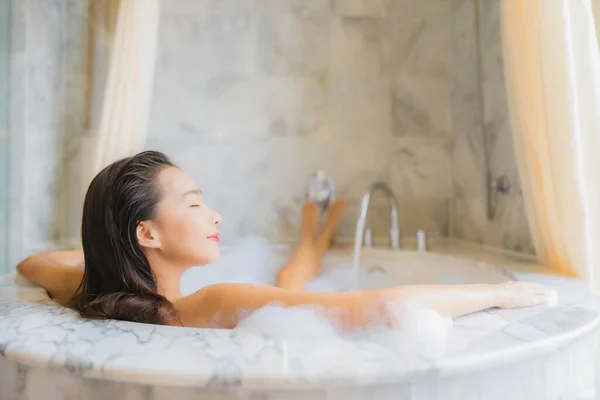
(393, 202)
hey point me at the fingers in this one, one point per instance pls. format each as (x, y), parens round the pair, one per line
(523, 294)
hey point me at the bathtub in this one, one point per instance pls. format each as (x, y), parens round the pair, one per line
(544, 352)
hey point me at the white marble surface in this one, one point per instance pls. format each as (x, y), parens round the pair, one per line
(40, 335)
(481, 128)
(4, 113)
(250, 98)
(48, 108)
(269, 91)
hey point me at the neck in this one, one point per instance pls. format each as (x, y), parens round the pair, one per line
(169, 286)
(168, 278)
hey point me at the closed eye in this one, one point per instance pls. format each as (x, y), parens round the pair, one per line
(195, 205)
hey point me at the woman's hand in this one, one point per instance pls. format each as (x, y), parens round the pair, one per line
(522, 294)
(458, 300)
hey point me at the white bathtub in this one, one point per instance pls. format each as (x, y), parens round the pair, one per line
(537, 353)
(380, 268)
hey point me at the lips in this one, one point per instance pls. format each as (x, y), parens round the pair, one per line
(215, 237)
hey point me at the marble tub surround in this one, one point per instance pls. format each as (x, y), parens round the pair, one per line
(48, 347)
(562, 374)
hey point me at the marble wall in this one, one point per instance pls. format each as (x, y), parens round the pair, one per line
(252, 96)
(48, 95)
(481, 128)
(4, 47)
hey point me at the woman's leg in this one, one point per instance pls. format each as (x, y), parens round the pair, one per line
(297, 271)
(324, 239)
(306, 261)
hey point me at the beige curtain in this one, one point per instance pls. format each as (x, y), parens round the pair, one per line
(552, 69)
(129, 33)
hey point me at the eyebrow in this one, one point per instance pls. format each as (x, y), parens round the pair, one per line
(193, 191)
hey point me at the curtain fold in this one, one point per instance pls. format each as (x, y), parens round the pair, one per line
(552, 71)
(132, 31)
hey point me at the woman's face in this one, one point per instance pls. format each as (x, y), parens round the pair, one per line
(186, 228)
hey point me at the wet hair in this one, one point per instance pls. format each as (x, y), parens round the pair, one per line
(118, 282)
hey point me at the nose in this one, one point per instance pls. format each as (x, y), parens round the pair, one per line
(217, 218)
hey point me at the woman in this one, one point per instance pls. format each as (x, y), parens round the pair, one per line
(145, 223)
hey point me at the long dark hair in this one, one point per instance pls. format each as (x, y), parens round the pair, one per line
(118, 282)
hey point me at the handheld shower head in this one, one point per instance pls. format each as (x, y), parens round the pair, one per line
(320, 189)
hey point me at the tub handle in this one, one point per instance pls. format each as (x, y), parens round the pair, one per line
(422, 242)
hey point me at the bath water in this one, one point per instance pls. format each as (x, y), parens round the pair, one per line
(255, 261)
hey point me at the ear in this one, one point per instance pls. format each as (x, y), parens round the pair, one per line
(147, 235)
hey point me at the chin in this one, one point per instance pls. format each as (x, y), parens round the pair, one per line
(210, 256)
(215, 255)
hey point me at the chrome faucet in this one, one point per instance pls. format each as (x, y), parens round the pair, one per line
(362, 218)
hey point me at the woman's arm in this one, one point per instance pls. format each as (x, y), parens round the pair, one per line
(223, 305)
(59, 272)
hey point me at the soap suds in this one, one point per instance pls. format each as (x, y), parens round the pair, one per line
(421, 331)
